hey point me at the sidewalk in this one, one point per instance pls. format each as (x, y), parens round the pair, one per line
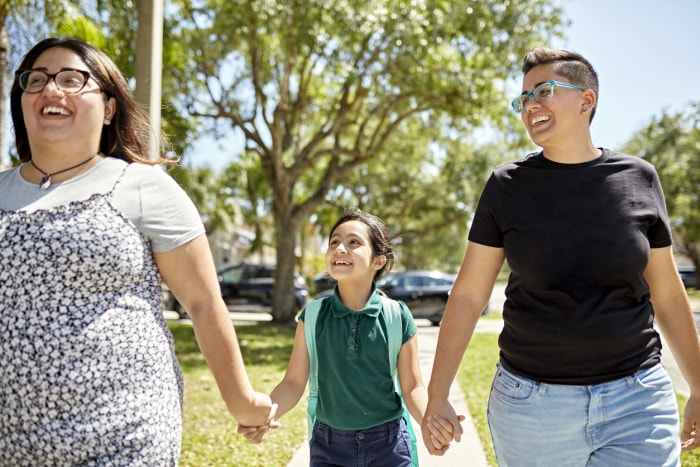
(467, 452)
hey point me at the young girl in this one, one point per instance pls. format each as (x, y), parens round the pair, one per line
(359, 413)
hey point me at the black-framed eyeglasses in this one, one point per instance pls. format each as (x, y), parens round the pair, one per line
(541, 93)
(68, 81)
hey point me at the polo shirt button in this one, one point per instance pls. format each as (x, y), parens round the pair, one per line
(354, 331)
(352, 347)
(360, 436)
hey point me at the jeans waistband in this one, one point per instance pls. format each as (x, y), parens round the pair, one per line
(388, 431)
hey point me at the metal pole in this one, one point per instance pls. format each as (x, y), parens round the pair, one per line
(149, 59)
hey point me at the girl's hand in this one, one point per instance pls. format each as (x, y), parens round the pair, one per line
(255, 434)
(441, 431)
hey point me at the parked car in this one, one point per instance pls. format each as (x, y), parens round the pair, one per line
(424, 292)
(688, 276)
(248, 288)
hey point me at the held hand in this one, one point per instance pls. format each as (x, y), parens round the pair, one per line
(260, 411)
(690, 436)
(255, 434)
(434, 434)
(441, 431)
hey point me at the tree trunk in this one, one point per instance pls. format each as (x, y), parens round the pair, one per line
(284, 307)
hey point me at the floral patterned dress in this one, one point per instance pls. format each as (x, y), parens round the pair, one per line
(87, 368)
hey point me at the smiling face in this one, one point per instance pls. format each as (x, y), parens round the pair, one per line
(74, 121)
(350, 255)
(558, 117)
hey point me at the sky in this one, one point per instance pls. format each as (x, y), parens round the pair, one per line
(647, 56)
(646, 53)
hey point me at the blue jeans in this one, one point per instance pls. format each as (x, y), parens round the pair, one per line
(387, 445)
(631, 421)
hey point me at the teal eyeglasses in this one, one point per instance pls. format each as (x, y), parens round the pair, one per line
(541, 93)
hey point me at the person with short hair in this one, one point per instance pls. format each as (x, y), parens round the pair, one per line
(587, 239)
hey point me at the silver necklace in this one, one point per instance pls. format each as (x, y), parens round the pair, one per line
(45, 182)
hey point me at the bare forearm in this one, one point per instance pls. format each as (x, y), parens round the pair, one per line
(416, 402)
(456, 330)
(676, 322)
(218, 343)
(287, 395)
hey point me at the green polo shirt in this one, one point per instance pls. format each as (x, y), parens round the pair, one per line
(355, 388)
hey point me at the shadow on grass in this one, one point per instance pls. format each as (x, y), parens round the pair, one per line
(261, 344)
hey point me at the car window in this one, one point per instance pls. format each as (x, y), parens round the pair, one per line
(232, 274)
(263, 273)
(412, 282)
(434, 281)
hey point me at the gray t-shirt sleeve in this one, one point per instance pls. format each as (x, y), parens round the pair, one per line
(158, 206)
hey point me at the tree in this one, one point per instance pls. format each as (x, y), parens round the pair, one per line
(210, 192)
(672, 143)
(319, 88)
(425, 190)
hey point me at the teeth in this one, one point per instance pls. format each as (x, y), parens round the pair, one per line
(541, 118)
(343, 263)
(54, 110)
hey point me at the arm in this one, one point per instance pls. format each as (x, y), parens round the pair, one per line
(189, 272)
(414, 393)
(469, 295)
(416, 396)
(288, 392)
(675, 320)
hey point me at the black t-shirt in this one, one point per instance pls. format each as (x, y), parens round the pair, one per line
(577, 240)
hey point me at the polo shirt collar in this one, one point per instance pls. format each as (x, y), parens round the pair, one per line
(372, 308)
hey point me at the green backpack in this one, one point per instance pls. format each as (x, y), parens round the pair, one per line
(392, 315)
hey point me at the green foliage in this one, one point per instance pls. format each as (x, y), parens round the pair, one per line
(320, 88)
(217, 204)
(672, 143)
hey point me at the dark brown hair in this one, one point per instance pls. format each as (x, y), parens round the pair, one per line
(571, 65)
(381, 241)
(128, 137)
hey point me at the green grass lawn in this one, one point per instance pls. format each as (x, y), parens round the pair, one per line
(209, 431)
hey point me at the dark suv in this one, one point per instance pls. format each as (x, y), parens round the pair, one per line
(424, 292)
(248, 288)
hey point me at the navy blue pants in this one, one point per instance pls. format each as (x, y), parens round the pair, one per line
(387, 445)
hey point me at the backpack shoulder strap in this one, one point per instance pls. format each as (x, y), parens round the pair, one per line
(392, 315)
(310, 315)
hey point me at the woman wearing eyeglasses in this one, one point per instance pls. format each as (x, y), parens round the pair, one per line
(88, 227)
(586, 235)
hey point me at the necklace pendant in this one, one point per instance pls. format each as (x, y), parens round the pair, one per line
(45, 182)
